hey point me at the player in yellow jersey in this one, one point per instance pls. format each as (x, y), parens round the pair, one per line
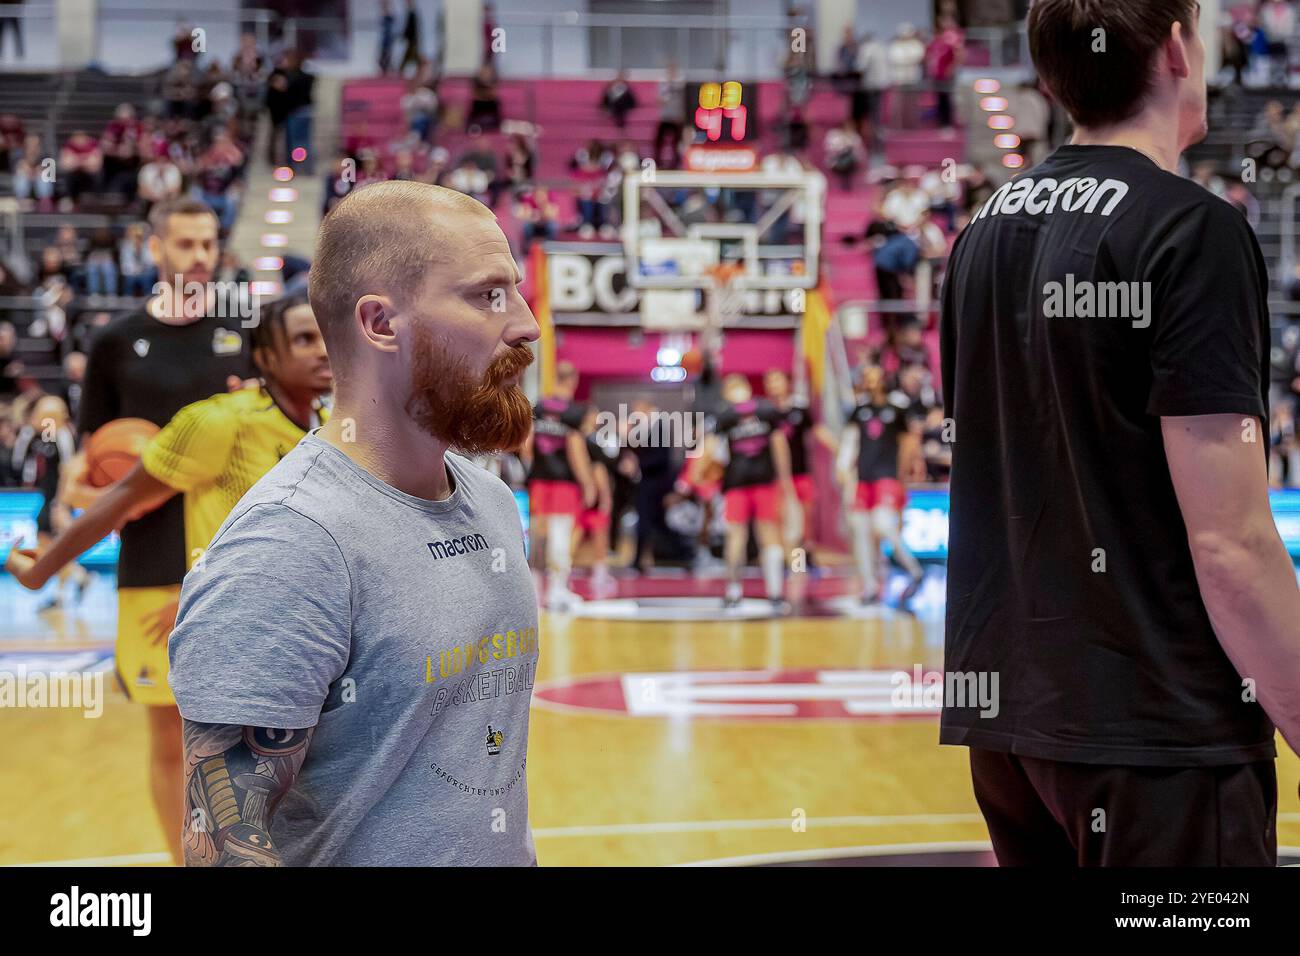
(211, 451)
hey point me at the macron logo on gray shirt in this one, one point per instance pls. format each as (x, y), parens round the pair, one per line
(456, 546)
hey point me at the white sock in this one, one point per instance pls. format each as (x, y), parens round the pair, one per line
(864, 550)
(773, 562)
(559, 534)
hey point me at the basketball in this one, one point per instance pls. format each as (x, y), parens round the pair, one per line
(114, 449)
(692, 362)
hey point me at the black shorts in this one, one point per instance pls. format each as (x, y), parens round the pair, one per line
(1053, 813)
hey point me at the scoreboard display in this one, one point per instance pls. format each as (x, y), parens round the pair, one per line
(720, 113)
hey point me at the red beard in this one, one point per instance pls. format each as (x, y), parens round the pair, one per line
(473, 416)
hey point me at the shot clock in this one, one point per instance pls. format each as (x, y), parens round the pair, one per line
(720, 112)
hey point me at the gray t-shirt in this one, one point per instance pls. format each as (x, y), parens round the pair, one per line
(403, 630)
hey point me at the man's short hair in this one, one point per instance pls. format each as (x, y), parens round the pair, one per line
(161, 214)
(378, 240)
(1097, 56)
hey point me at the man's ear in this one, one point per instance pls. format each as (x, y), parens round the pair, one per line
(1176, 52)
(374, 317)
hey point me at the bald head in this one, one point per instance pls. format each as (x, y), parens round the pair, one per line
(382, 239)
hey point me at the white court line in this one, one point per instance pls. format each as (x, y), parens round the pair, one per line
(834, 853)
(779, 823)
(134, 859)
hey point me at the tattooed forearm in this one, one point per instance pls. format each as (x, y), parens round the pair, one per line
(235, 777)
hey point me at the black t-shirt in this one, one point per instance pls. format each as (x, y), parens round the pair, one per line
(602, 456)
(748, 429)
(139, 367)
(796, 423)
(553, 420)
(1069, 572)
(880, 427)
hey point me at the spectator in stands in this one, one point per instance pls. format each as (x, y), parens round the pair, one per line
(136, 262)
(120, 146)
(906, 56)
(1271, 140)
(846, 62)
(1277, 21)
(589, 169)
(248, 74)
(1203, 174)
(420, 106)
(533, 208)
(12, 135)
(8, 438)
(159, 180)
(845, 152)
(411, 34)
(469, 179)
(338, 181)
(101, 263)
(278, 106)
(874, 70)
(489, 32)
(180, 90)
(1233, 50)
(72, 255)
(905, 202)
(520, 161)
(1240, 196)
(387, 34)
(81, 164)
(51, 266)
(183, 43)
(943, 57)
(797, 64)
(617, 99)
(944, 190)
(52, 300)
(296, 88)
(479, 152)
(403, 165)
(218, 167)
(369, 171)
(33, 180)
(671, 95)
(485, 101)
(10, 368)
(74, 377)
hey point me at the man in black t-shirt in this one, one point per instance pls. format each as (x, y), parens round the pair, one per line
(559, 484)
(756, 483)
(150, 365)
(880, 450)
(1118, 596)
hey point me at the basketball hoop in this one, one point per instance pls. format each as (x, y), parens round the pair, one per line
(726, 293)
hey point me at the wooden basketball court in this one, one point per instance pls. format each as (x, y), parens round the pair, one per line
(652, 743)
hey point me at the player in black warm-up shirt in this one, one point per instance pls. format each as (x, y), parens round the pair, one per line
(603, 451)
(150, 365)
(799, 428)
(559, 484)
(756, 483)
(879, 450)
(1118, 595)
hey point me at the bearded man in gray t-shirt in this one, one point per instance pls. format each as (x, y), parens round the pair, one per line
(355, 652)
